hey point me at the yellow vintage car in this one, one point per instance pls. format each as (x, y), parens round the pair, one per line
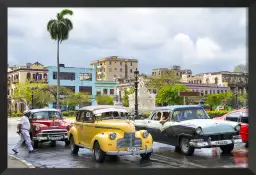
(107, 130)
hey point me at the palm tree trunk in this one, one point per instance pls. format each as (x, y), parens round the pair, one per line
(58, 78)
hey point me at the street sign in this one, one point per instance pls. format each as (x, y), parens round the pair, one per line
(189, 94)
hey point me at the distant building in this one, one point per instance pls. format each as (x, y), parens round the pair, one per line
(177, 69)
(229, 79)
(111, 68)
(75, 79)
(20, 74)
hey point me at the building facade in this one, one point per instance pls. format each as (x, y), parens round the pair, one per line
(75, 79)
(177, 69)
(228, 79)
(112, 68)
(20, 74)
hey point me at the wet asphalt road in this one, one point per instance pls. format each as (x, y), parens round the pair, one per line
(163, 157)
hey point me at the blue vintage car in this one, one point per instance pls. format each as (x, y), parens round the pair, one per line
(188, 127)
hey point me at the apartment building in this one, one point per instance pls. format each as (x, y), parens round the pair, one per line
(113, 68)
(20, 74)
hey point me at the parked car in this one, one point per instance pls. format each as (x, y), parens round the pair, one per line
(107, 130)
(240, 116)
(188, 127)
(47, 125)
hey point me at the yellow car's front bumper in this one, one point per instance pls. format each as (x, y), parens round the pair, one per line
(121, 153)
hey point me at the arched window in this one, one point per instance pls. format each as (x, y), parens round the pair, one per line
(28, 75)
(207, 81)
(45, 75)
(216, 80)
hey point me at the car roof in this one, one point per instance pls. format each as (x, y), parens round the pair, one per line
(176, 107)
(97, 107)
(42, 109)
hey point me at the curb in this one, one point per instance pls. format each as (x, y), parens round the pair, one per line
(29, 165)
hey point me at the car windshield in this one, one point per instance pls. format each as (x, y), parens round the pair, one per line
(113, 115)
(189, 114)
(42, 115)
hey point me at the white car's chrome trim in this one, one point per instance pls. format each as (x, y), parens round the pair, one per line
(201, 144)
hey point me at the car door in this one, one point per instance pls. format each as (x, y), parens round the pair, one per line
(79, 126)
(88, 128)
(154, 126)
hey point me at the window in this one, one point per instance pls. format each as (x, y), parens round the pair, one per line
(131, 71)
(111, 91)
(131, 63)
(110, 69)
(105, 91)
(46, 115)
(244, 120)
(86, 116)
(121, 63)
(40, 76)
(64, 75)
(85, 76)
(28, 75)
(110, 63)
(86, 89)
(189, 114)
(233, 116)
(115, 69)
(156, 116)
(98, 92)
(121, 70)
(45, 75)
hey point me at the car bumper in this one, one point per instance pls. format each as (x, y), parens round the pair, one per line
(197, 143)
(58, 138)
(120, 153)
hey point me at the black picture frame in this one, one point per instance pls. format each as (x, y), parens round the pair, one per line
(4, 4)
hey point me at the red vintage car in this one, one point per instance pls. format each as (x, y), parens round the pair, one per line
(240, 116)
(47, 125)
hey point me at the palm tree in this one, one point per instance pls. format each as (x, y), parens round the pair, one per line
(59, 30)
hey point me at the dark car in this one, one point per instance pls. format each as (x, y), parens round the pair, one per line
(188, 127)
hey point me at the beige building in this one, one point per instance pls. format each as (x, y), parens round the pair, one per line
(113, 68)
(177, 69)
(224, 78)
(21, 74)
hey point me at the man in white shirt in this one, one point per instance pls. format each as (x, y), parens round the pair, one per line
(23, 131)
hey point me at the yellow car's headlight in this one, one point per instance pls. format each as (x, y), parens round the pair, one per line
(112, 136)
(145, 134)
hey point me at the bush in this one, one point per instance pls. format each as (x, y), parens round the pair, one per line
(71, 113)
(65, 114)
(18, 114)
(213, 114)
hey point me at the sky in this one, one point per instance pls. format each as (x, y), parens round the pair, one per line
(200, 39)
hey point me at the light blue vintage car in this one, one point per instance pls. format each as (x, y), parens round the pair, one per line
(188, 127)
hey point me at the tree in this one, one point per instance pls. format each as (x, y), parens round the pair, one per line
(59, 30)
(23, 91)
(104, 100)
(169, 94)
(241, 68)
(126, 96)
(217, 99)
(158, 81)
(62, 91)
(77, 99)
(243, 99)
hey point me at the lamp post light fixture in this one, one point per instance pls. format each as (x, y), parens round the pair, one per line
(136, 73)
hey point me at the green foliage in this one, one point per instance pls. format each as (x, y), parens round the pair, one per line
(126, 96)
(243, 99)
(60, 27)
(217, 99)
(158, 81)
(104, 100)
(65, 114)
(169, 94)
(77, 99)
(213, 114)
(241, 68)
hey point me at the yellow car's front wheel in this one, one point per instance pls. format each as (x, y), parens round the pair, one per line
(145, 156)
(98, 154)
(73, 147)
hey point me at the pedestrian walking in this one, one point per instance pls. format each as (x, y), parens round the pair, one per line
(23, 131)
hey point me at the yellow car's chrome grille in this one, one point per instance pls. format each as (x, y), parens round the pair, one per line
(129, 140)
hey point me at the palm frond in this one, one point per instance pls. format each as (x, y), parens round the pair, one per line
(66, 12)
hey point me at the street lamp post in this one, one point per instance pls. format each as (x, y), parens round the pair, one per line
(32, 98)
(136, 73)
(236, 95)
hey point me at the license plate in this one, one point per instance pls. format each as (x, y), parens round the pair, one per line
(55, 138)
(133, 149)
(221, 142)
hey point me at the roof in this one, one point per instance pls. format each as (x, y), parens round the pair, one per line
(177, 107)
(97, 107)
(43, 109)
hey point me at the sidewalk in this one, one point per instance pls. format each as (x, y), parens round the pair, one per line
(15, 162)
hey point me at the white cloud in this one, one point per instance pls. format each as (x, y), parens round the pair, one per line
(158, 37)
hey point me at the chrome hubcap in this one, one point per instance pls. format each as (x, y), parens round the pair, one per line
(185, 145)
(97, 152)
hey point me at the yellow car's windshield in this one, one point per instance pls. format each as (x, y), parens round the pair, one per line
(113, 115)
